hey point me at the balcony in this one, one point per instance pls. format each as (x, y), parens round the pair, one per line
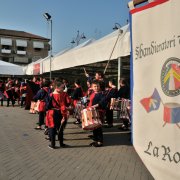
(6, 51)
(21, 52)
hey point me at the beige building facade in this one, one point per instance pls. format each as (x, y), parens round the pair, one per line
(22, 48)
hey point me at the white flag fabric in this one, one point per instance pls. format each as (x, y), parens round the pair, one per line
(155, 67)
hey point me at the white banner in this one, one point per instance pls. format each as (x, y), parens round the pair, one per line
(155, 29)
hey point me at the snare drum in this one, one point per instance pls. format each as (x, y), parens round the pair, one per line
(77, 111)
(123, 106)
(33, 108)
(90, 119)
(84, 100)
(115, 104)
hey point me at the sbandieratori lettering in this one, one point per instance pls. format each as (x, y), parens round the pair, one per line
(143, 51)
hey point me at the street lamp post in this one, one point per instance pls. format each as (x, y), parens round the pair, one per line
(78, 38)
(49, 19)
(117, 26)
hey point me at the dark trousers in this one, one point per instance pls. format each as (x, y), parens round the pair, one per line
(98, 135)
(52, 135)
(1, 102)
(109, 116)
(12, 100)
(23, 100)
(41, 118)
(60, 133)
(125, 123)
(58, 129)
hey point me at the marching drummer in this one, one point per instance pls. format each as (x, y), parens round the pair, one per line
(97, 100)
(124, 93)
(42, 95)
(2, 88)
(9, 92)
(111, 92)
(76, 96)
(57, 114)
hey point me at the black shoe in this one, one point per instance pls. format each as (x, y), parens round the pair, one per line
(64, 145)
(108, 126)
(96, 144)
(47, 138)
(50, 147)
(38, 128)
(92, 144)
(123, 128)
(91, 136)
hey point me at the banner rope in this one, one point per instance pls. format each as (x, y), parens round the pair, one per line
(120, 33)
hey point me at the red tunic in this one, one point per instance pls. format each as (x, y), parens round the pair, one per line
(59, 101)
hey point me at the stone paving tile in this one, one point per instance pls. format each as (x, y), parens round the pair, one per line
(24, 153)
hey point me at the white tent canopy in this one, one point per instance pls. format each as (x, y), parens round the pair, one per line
(97, 51)
(110, 47)
(10, 69)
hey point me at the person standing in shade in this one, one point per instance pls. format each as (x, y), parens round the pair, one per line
(111, 92)
(76, 96)
(42, 95)
(23, 93)
(2, 88)
(124, 93)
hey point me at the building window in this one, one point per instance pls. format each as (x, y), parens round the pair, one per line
(21, 60)
(6, 41)
(37, 49)
(38, 45)
(6, 47)
(20, 48)
(21, 43)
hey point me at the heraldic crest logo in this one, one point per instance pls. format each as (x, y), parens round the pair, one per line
(170, 77)
(170, 84)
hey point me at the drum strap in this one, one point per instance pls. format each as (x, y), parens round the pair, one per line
(44, 96)
(55, 101)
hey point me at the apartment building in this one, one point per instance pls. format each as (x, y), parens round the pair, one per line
(22, 48)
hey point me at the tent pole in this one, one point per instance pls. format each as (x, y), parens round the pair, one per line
(119, 71)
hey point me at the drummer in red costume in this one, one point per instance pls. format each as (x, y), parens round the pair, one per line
(57, 115)
(9, 92)
(97, 100)
(76, 96)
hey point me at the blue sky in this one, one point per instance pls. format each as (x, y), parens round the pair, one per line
(93, 17)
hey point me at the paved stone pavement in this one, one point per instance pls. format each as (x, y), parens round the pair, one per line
(24, 152)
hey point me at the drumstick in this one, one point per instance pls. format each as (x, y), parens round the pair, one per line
(164, 124)
(177, 125)
(84, 70)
